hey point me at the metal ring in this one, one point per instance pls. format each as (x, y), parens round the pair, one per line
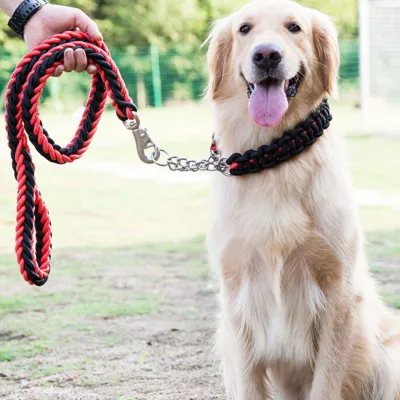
(156, 160)
(155, 155)
(133, 124)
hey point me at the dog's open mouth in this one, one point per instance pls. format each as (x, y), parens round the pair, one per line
(269, 98)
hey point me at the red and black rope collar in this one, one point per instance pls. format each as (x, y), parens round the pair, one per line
(290, 144)
(33, 230)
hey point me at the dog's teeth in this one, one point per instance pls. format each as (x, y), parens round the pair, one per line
(286, 83)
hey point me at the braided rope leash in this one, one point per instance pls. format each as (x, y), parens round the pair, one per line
(33, 230)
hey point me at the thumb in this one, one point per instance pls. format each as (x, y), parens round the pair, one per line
(84, 23)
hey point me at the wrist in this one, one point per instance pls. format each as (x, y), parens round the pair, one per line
(9, 6)
(36, 21)
(24, 12)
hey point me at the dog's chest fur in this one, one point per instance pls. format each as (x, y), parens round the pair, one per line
(260, 224)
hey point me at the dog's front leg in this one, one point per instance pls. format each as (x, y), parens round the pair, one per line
(334, 347)
(244, 377)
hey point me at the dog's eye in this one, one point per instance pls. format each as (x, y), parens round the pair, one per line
(294, 28)
(245, 29)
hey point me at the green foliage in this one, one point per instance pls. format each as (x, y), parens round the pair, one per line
(10, 54)
(160, 22)
(177, 28)
(349, 66)
(343, 12)
(143, 22)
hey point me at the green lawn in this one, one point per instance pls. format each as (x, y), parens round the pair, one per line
(109, 198)
(113, 218)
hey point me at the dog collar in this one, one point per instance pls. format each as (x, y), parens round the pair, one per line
(290, 144)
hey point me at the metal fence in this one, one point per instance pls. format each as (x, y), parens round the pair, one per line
(380, 65)
(157, 76)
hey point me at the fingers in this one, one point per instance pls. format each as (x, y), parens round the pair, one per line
(80, 60)
(94, 32)
(91, 69)
(84, 23)
(75, 60)
(58, 71)
(69, 60)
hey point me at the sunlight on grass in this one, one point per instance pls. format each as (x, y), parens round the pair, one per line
(95, 202)
(370, 170)
(392, 301)
(12, 350)
(380, 219)
(109, 310)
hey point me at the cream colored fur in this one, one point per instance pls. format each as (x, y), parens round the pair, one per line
(300, 316)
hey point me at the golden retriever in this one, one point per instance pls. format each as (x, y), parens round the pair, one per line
(300, 316)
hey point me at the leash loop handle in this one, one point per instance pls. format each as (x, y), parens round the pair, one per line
(33, 230)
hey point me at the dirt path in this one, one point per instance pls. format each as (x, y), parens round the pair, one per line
(164, 356)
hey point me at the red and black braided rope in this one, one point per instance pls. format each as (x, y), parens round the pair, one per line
(33, 230)
(290, 144)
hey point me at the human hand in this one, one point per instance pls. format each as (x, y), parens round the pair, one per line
(53, 19)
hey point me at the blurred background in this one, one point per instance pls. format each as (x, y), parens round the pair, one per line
(128, 312)
(156, 45)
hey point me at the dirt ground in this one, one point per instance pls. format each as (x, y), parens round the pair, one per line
(162, 356)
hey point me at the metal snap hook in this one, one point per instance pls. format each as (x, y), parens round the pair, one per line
(143, 143)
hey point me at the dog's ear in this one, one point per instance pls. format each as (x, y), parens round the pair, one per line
(327, 51)
(219, 53)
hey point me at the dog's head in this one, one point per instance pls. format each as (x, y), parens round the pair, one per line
(279, 52)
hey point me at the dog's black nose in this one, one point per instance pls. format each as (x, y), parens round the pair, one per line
(267, 57)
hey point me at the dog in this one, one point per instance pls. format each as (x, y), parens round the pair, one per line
(300, 316)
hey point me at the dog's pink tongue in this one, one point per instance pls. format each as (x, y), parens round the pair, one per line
(268, 103)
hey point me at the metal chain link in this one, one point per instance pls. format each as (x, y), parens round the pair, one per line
(214, 163)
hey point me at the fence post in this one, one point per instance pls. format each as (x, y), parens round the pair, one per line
(156, 73)
(365, 82)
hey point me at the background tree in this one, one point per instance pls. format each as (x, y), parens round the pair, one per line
(143, 22)
(177, 28)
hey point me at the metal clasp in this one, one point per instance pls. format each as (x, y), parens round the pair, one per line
(143, 141)
(133, 124)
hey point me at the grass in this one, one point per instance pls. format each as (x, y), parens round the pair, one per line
(114, 217)
(391, 300)
(12, 350)
(107, 310)
(369, 170)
